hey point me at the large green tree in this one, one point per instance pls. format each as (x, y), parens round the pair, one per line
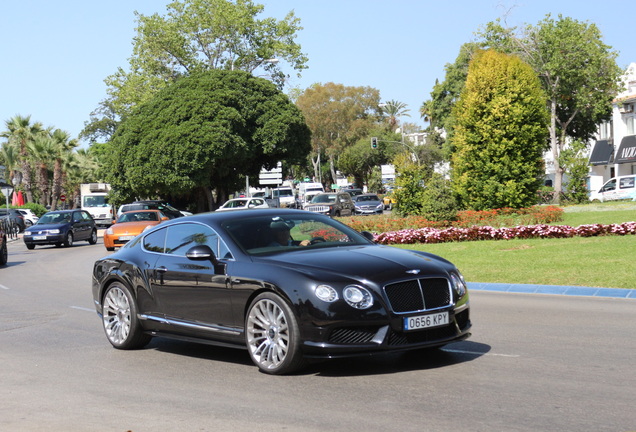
(500, 134)
(196, 35)
(206, 131)
(338, 117)
(578, 73)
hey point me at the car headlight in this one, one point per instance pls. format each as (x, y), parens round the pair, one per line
(379, 206)
(357, 297)
(109, 231)
(459, 284)
(54, 231)
(326, 293)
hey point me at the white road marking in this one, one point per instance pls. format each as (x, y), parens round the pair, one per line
(4, 287)
(83, 308)
(480, 353)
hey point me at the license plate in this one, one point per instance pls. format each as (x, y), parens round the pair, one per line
(126, 238)
(39, 237)
(426, 321)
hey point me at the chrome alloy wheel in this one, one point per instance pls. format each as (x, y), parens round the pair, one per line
(116, 316)
(268, 335)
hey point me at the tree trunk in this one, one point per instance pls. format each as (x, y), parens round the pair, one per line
(554, 145)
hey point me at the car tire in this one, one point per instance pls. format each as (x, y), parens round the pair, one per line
(110, 249)
(30, 246)
(272, 335)
(93, 238)
(119, 319)
(4, 254)
(68, 242)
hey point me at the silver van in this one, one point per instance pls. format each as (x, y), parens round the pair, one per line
(616, 188)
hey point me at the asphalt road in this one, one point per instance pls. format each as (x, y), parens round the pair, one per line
(534, 362)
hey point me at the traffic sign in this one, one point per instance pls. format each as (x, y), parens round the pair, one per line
(62, 198)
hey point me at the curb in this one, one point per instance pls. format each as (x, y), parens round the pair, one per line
(554, 290)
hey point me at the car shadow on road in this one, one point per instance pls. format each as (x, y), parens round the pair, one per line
(451, 354)
(377, 364)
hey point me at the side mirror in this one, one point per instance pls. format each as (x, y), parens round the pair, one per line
(368, 236)
(205, 253)
(165, 218)
(201, 253)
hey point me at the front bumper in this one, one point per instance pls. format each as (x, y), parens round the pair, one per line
(44, 239)
(343, 340)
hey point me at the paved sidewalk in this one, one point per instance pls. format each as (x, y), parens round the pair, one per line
(554, 289)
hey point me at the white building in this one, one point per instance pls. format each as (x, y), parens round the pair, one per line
(614, 152)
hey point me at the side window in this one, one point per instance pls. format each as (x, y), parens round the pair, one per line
(182, 237)
(627, 183)
(155, 241)
(610, 185)
(86, 216)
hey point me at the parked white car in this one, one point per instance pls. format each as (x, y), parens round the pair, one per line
(243, 203)
(30, 218)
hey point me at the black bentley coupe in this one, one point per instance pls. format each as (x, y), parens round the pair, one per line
(288, 285)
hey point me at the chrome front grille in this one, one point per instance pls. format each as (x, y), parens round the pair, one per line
(419, 295)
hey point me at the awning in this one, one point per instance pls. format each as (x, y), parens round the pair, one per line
(627, 150)
(602, 153)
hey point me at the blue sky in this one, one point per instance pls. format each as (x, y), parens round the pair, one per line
(55, 55)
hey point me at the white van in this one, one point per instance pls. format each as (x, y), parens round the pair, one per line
(285, 196)
(616, 188)
(306, 191)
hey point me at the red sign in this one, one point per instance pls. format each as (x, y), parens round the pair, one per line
(62, 198)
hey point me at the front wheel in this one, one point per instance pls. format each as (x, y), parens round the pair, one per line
(4, 254)
(272, 335)
(119, 318)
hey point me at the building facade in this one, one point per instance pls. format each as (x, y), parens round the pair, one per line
(614, 152)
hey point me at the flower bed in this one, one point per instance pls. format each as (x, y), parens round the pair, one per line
(476, 232)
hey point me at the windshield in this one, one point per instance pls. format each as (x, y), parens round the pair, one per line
(265, 235)
(95, 201)
(324, 199)
(141, 216)
(283, 192)
(54, 218)
(360, 198)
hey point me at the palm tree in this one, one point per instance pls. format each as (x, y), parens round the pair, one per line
(64, 146)
(10, 157)
(43, 150)
(20, 131)
(395, 109)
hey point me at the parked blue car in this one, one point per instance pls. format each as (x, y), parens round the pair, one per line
(62, 227)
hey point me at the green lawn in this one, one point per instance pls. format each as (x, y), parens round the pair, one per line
(608, 261)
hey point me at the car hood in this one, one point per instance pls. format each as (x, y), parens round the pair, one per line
(370, 262)
(44, 227)
(374, 203)
(131, 227)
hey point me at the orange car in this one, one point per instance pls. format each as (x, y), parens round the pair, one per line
(129, 225)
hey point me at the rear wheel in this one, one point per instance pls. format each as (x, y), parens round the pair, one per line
(272, 335)
(93, 238)
(119, 318)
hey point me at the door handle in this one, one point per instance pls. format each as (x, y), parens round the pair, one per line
(161, 269)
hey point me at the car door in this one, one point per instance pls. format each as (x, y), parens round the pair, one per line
(81, 226)
(346, 204)
(191, 294)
